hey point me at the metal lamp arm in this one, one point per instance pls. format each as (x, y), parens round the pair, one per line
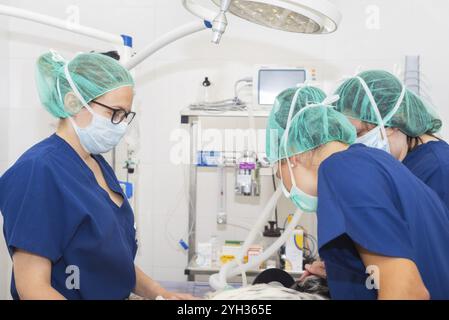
(60, 24)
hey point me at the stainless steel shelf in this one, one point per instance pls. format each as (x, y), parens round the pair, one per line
(191, 118)
(258, 113)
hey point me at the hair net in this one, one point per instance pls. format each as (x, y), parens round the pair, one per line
(414, 117)
(93, 74)
(313, 127)
(279, 115)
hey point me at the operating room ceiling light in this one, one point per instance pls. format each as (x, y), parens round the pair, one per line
(299, 16)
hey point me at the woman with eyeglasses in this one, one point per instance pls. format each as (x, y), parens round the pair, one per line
(67, 224)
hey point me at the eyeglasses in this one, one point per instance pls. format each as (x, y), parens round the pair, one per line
(119, 115)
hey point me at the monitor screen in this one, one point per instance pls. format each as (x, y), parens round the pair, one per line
(274, 81)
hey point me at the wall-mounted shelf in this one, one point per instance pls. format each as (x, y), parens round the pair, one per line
(188, 113)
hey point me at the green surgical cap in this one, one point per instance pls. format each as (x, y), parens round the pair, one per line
(315, 126)
(414, 116)
(279, 115)
(93, 74)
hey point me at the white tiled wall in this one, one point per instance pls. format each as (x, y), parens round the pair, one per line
(169, 81)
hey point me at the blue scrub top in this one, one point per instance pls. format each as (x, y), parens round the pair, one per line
(366, 197)
(53, 207)
(430, 163)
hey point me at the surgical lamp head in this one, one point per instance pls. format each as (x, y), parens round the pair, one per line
(299, 16)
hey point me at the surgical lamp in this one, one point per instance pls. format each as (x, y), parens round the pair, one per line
(299, 16)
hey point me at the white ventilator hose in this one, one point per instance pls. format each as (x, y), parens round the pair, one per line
(263, 218)
(271, 250)
(231, 269)
(219, 281)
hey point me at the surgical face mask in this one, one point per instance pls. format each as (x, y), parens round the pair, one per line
(101, 135)
(377, 137)
(300, 199)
